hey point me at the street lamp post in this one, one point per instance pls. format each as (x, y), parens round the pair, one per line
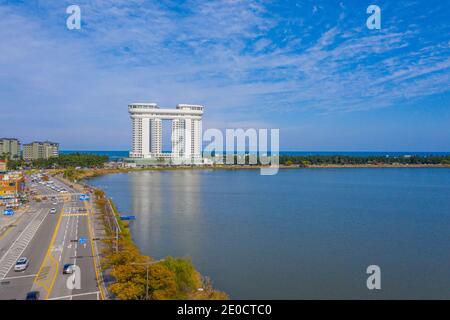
(116, 238)
(147, 264)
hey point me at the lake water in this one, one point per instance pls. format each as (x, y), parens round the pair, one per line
(301, 234)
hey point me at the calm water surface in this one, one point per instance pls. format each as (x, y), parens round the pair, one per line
(302, 234)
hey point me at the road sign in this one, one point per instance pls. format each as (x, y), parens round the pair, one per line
(84, 197)
(127, 218)
(8, 212)
(82, 240)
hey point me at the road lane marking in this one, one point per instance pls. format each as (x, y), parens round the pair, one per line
(48, 255)
(54, 278)
(18, 277)
(13, 226)
(6, 232)
(93, 253)
(22, 242)
(76, 243)
(64, 239)
(76, 295)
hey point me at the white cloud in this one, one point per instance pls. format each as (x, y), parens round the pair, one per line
(219, 53)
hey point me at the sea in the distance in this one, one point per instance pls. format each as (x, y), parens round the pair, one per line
(301, 234)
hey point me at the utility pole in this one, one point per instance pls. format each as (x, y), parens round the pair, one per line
(117, 240)
(147, 264)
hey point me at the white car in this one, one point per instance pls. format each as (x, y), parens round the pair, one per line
(53, 210)
(21, 264)
(68, 268)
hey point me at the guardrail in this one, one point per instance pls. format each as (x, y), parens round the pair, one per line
(113, 214)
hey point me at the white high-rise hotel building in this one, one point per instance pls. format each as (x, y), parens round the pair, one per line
(186, 138)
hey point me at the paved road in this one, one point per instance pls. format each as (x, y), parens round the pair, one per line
(49, 241)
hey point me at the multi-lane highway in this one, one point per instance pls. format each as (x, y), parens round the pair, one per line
(49, 241)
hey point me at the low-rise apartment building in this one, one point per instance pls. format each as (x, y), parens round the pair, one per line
(40, 150)
(10, 147)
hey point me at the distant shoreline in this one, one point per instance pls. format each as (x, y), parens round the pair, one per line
(91, 173)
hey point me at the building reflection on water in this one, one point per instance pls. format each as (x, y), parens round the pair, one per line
(167, 205)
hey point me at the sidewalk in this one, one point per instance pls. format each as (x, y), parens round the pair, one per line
(100, 232)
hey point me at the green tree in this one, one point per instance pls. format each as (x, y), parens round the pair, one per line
(70, 173)
(184, 272)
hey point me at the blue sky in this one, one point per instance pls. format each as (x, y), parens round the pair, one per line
(310, 68)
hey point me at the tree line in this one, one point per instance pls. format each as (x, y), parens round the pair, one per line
(351, 160)
(62, 161)
(246, 159)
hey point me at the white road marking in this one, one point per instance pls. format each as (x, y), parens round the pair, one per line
(76, 244)
(18, 277)
(76, 295)
(19, 245)
(64, 239)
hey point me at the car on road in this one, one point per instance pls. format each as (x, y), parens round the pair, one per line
(21, 264)
(33, 295)
(52, 210)
(69, 268)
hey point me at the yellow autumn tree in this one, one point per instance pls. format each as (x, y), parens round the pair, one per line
(162, 284)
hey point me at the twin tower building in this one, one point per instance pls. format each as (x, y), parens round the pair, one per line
(186, 139)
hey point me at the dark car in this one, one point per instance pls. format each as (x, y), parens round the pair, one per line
(32, 295)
